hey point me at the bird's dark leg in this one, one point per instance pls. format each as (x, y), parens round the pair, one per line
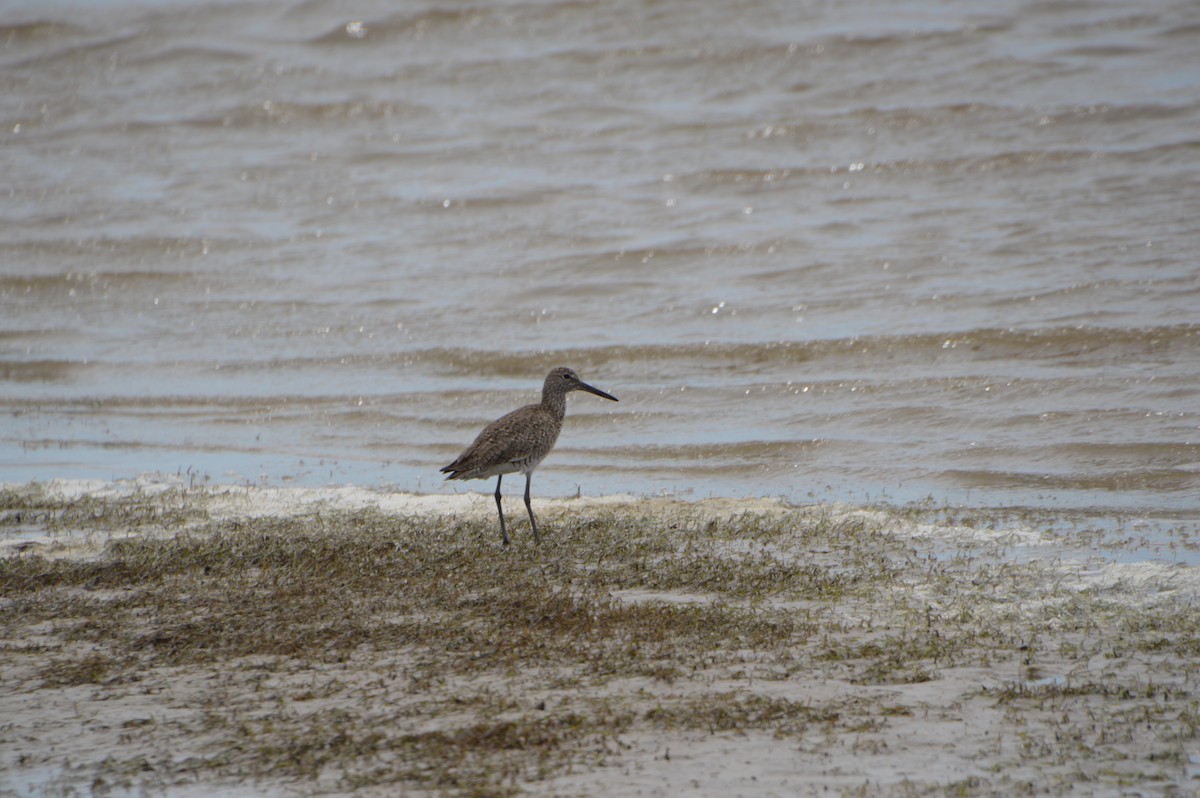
(529, 507)
(500, 509)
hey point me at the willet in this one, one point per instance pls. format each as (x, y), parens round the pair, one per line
(520, 440)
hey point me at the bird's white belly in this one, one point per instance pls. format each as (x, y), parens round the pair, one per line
(524, 465)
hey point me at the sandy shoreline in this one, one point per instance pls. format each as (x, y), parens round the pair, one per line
(651, 647)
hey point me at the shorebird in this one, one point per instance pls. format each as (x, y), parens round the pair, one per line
(520, 440)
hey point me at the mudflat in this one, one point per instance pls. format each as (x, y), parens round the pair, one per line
(158, 639)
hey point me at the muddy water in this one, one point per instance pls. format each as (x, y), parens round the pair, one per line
(817, 250)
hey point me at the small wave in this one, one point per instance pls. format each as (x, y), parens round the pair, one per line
(1189, 31)
(1105, 51)
(119, 247)
(1158, 481)
(37, 32)
(1074, 343)
(429, 22)
(282, 112)
(946, 358)
(759, 179)
(734, 453)
(191, 56)
(63, 42)
(1063, 345)
(37, 370)
(62, 286)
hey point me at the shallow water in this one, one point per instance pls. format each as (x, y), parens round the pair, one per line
(817, 251)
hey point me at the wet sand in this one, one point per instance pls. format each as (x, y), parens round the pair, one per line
(253, 641)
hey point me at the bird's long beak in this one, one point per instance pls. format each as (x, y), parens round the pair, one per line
(583, 386)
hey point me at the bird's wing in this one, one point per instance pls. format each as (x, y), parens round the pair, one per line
(507, 440)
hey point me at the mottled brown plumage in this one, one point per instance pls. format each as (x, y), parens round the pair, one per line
(520, 440)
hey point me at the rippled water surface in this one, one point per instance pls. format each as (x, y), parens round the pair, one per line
(819, 250)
